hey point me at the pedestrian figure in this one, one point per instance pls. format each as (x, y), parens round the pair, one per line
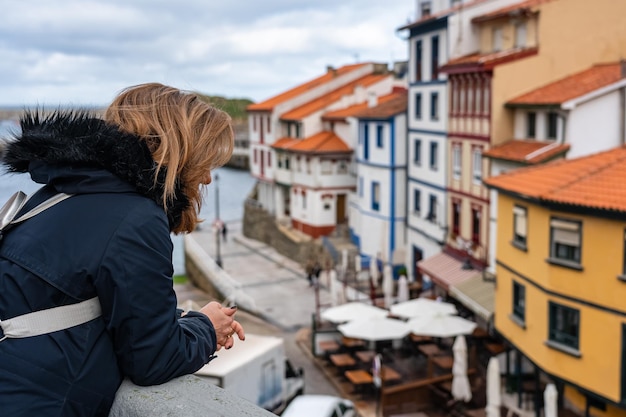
(308, 268)
(224, 231)
(317, 269)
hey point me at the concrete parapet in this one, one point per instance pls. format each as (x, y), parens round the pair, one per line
(187, 396)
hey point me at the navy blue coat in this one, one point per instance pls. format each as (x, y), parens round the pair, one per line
(109, 240)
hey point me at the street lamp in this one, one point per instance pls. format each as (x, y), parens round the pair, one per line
(218, 257)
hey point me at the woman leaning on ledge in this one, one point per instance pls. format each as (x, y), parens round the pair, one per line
(134, 178)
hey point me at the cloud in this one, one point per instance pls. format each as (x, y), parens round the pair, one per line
(82, 52)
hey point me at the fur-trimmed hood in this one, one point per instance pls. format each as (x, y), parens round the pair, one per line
(64, 141)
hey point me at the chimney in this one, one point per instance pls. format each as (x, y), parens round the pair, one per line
(372, 99)
(331, 69)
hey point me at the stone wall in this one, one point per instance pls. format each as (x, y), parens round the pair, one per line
(258, 224)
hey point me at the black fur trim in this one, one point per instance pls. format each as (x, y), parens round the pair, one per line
(78, 138)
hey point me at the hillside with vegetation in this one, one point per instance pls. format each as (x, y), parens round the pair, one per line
(235, 107)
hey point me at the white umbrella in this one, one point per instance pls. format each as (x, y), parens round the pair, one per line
(460, 382)
(374, 329)
(388, 285)
(352, 311)
(403, 289)
(422, 307)
(374, 271)
(441, 326)
(344, 259)
(550, 397)
(494, 400)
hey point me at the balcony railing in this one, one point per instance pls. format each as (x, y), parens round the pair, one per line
(187, 396)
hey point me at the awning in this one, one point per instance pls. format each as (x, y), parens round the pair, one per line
(445, 270)
(476, 294)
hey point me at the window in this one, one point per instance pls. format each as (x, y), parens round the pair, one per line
(477, 166)
(269, 159)
(417, 152)
(425, 8)
(418, 60)
(434, 150)
(342, 166)
(254, 123)
(519, 226)
(552, 125)
(298, 130)
(531, 124)
(279, 160)
(379, 136)
(326, 167)
(476, 214)
(375, 196)
(456, 161)
(417, 204)
(564, 325)
(519, 302)
(434, 106)
(303, 200)
(434, 57)
(497, 39)
(256, 156)
(478, 98)
(432, 209)
(269, 124)
(418, 106)
(565, 241)
(287, 160)
(520, 35)
(456, 217)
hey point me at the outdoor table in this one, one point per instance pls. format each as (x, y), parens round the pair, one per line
(359, 377)
(480, 333)
(342, 360)
(444, 362)
(429, 349)
(365, 355)
(328, 346)
(389, 374)
(350, 343)
(495, 348)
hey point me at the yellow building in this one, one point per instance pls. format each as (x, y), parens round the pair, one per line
(561, 275)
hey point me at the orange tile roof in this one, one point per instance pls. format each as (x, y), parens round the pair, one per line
(486, 61)
(335, 95)
(342, 114)
(514, 9)
(572, 86)
(594, 181)
(527, 151)
(269, 104)
(385, 110)
(323, 142)
(285, 143)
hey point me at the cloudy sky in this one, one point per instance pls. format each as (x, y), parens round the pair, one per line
(82, 52)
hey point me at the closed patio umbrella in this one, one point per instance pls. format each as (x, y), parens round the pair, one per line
(403, 289)
(388, 285)
(494, 400)
(550, 397)
(374, 271)
(460, 382)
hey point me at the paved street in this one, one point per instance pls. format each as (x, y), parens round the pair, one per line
(282, 300)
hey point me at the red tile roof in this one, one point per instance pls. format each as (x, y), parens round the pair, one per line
(595, 181)
(572, 86)
(323, 142)
(486, 61)
(527, 151)
(333, 96)
(512, 10)
(269, 104)
(398, 95)
(387, 109)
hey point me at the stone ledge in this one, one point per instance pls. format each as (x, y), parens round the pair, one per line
(187, 396)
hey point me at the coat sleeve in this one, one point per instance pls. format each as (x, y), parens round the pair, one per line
(134, 284)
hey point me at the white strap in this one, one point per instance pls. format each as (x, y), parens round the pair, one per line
(57, 198)
(51, 320)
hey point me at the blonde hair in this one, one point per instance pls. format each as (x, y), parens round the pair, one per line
(185, 135)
